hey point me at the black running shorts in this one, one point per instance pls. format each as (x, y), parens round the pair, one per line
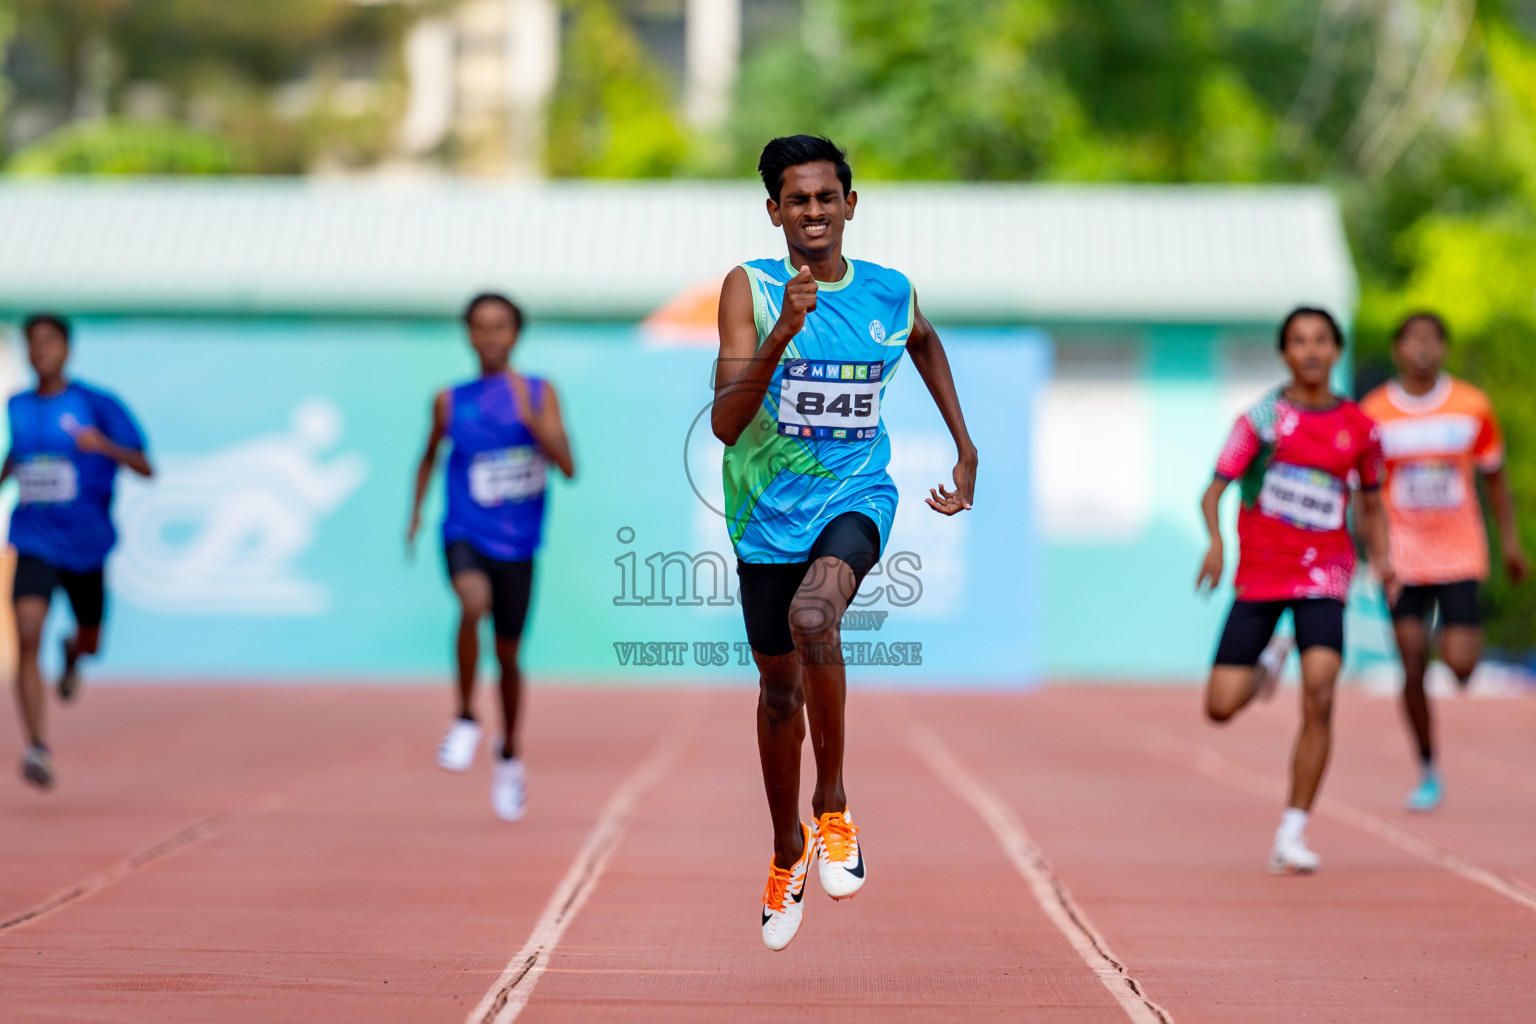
(768, 589)
(1319, 622)
(511, 585)
(1457, 603)
(86, 591)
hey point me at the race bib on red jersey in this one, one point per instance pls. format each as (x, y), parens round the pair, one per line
(1306, 498)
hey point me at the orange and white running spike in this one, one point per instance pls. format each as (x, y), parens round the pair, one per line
(783, 898)
(839, 859)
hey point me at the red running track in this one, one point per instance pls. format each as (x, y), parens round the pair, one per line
(288, 853)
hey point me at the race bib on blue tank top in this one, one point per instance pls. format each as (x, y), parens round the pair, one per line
(830, 401)
(506, 474)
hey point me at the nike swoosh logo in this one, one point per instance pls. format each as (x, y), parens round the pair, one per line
(800, 896)
(857, 872)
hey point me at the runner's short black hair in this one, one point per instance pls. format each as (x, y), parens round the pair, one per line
(1333, 325)
(53, 320)
(792, 150)
(1423, 316)
(474, 303)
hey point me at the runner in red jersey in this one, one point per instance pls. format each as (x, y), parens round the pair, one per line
(1296, 455)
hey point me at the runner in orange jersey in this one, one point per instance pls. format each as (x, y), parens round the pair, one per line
(1438, 435)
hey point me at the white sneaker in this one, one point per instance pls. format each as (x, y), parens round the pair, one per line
(783, 904)
(839, 861)
(1271, 664)
(1291, 857)
(457, 751)
(508, 788)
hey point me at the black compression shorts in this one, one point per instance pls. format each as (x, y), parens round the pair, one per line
(86, 591)
(1457, 603)
(768, 589)
(511, 585)
(1319, 622)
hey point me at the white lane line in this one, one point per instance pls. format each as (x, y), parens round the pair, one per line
(511, 991)
(193, 834)
(1049, 891)
(1216, 766)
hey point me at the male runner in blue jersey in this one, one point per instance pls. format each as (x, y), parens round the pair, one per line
(807, 346)
(504, 429)
(67, 440)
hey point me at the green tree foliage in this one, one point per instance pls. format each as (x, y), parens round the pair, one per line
(109, 147)
(612, 115)
(279, 79)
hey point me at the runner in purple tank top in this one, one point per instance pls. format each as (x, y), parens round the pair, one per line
(504, 430)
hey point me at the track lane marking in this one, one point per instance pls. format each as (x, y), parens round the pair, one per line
(510, 993)
(198, 832)
(1220, 768)
(1048, 890)
(195, 833)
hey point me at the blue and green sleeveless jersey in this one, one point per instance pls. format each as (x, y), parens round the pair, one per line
(817, 447)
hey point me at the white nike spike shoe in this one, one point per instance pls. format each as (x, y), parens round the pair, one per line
(457, 751)
(783, 899)
(1291, 857)
(509, 788)
(839, 860)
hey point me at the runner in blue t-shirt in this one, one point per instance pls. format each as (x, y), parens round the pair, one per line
(807, 347)
(67, 440)
(504, 429)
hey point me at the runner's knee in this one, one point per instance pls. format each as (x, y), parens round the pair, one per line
(1317, 704)
(1218, 708)
(781, 700)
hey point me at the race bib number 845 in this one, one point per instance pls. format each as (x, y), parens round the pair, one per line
(830, 401)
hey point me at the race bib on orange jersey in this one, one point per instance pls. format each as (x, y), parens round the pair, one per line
(1428, 485)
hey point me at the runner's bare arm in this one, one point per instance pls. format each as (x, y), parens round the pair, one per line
(927, 354)
(1371, 522)
(426, 466)
(1210, 507)
(1503, 504)
(89, 439)
(743, 371)
(547, 428)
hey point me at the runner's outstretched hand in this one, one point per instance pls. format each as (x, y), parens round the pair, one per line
(1516, 564)
(948, 502)
(1390, 584)
(1210, 570)
(91, 441)
(799, 299)
(410, 537)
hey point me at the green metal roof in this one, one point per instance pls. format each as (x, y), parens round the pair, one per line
(990, 252)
